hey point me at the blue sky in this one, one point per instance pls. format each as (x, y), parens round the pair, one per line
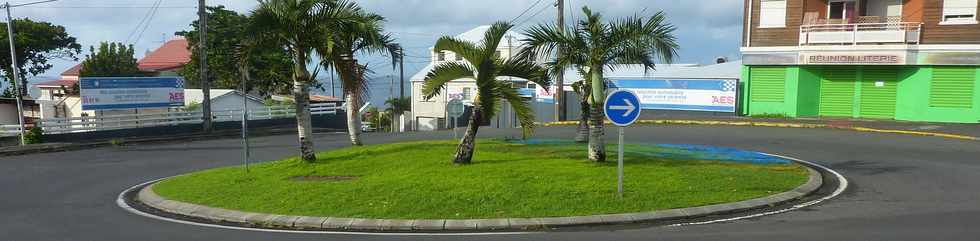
(706, 29)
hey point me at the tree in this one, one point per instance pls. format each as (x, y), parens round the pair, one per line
(269, 67)
(111, 60)
(399, 105)
(595, 46)
(301, 28)
(364, 35)
(482, 64)
(36, 44)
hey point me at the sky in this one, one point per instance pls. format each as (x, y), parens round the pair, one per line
(706, 29)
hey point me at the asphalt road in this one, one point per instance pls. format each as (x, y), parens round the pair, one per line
(902, 188)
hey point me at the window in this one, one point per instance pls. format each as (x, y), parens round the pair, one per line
(959, 12)
(441, 56)
(466, 93)
(459, 57)
(772, 14)
(532, 86)
(497, 54)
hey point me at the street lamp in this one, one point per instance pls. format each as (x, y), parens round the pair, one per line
(13, 65)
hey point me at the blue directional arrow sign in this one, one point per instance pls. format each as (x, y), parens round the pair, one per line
(622, 107)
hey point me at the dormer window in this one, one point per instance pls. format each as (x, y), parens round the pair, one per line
(441, 56)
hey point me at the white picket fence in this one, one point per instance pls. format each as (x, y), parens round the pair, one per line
(129, 121)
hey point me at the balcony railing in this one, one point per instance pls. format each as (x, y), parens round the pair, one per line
(861, 33)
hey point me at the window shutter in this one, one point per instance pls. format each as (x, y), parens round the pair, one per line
(772, 14)
(952, 87)
(959, 7)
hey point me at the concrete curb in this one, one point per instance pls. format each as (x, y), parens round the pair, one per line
(149, 198)
(788, 125)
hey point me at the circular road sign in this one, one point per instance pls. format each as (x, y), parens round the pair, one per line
(455, 108)
(622, 107)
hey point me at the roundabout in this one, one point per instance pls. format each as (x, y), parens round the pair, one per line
(899, 188)
(527, 185)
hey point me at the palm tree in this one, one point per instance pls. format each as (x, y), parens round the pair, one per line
(302, 27)
(366, 35)
(595, 46)
(482, 64)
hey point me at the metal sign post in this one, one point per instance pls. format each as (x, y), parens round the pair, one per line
(622, 108)
(455, 110)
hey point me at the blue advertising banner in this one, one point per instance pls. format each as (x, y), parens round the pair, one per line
(689, 95)
(107, 93)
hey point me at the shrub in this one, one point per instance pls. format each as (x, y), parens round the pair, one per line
(34, 136)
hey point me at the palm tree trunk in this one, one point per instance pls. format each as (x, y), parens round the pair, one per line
(352, 77)
(583, 122)
(301, 94)
(464, 153)
(597, 142)
(353, 121)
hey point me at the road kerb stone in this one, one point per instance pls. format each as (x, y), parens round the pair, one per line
(396, 224)
(525, 223)
(429, 225)
(460, 225)
(365, 224)
(337, 223)
(616, 218)
(492, 224)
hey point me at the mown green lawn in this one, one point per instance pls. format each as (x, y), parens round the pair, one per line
(416, 180)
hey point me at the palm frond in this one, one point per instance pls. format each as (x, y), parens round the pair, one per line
(523, 111)
(469, 51)
(525, 70)
(436, 80)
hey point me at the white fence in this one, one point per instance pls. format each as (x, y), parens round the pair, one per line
(861, 33)
(129, 121)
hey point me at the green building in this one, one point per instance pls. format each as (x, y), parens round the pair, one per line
(848, 59)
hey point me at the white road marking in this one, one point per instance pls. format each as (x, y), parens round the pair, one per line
(840, 189)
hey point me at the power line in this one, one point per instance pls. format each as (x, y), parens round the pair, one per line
(142, 21)
(80, 7)
(148, 21)
(533, 16)
(525, 11)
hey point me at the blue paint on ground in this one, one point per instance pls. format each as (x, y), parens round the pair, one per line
(681, 152)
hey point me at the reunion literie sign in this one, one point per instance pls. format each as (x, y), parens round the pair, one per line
(876, 58)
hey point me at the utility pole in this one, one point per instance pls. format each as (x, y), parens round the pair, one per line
(202, 47)
(401, 66)
(560, 114)
(13, 66)
(18, 92)
(333, 91)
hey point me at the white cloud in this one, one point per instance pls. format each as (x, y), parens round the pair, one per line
(417, 23)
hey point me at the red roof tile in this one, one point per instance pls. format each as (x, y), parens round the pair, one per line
(57, 83)
(172, 55)
(73, 71)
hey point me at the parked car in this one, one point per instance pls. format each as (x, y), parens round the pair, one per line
(368, 127)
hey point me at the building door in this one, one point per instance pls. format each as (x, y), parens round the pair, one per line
(837, 89)
(878, 92)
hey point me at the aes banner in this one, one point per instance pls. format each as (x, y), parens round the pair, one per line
(131, 93)
(689, 95)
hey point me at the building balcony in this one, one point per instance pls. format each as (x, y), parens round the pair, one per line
(861, 33)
